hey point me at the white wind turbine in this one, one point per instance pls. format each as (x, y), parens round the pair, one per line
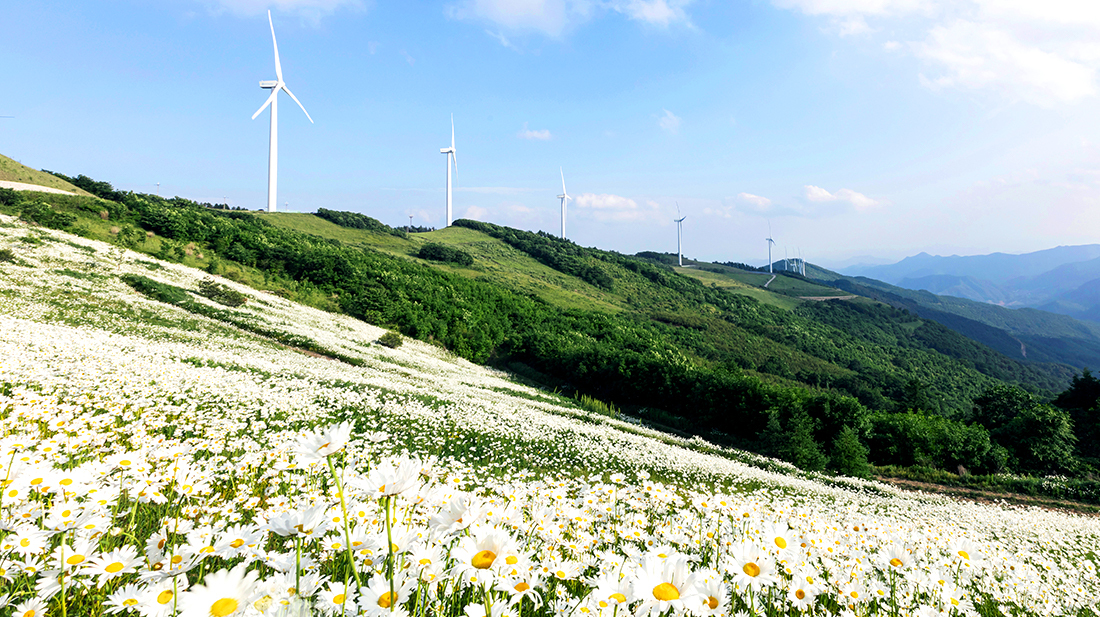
(564, 197)
(679, 236)
(451, 156)
(770, 243)
(273, 101)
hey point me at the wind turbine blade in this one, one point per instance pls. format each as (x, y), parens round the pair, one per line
(563, 191)
(453, 136)
(298, 102)
(454, 157)
(278, 67)
(274, 93)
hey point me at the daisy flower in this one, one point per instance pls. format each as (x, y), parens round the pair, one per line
(223, 593)
(314, 447)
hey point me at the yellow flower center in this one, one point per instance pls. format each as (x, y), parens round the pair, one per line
(895, 562)
(75, 559)
(24, 543)
(124, 462)
(751, 569)
(129, 602)
(164, 597)
(511, 560)
(238, 543)
(712, 602)
(65, 482)
(114, 567)
(618, 597)
(386, 600)
(521, 587)
(666, 592)
(964, 554)
(483, 560)
(206, 549)
(223, 607)
(29, 613)
(801, 595)
(339, 599)
(781, 542)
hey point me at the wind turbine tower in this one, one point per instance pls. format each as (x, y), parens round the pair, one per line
(452, 157)
(564, 197)
(679, 237)
(770, 243)
(273, 101)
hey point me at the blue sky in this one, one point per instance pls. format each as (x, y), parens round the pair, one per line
(854, 127)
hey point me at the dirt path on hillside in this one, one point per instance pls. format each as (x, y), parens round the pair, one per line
(990, 497)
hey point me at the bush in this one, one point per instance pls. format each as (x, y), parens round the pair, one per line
(446, 254)
(849, 456)
(6, 255)
(221, 294)
(391, 339)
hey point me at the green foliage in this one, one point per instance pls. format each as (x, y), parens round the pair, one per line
(933, 441)
(447, 254)
(169, 294)
(595, 405)
(10, 197)
(6, 255)
(1039, 438)
(391, 339)
(222, 294)
(849, 456)
(1082, 401)
(354, 220)
(43, 214)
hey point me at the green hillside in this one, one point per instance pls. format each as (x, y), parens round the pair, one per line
(13, 171)
(718, 357)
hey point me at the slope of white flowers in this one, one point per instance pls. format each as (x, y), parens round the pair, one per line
(156, 461)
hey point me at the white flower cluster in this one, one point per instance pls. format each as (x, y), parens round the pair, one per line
(154, 462)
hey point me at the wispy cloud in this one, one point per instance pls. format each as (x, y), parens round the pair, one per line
(556, 18)
(526, 133)
(408, 58)
(654, 12)
(608, 207)
(859, 200)
(499, 36)
(312, 10)
(670, 122)
(476, 213)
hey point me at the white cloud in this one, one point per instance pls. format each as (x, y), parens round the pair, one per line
(408, 58)
(499, 36)
(656, 12)
(310, 9)
(981, 56)
(476, 213)
(818, 194)
(755, 200)
(669, 122)
(1044, 53)
(493, 190)
(550, 17)
(526, 133)
(606, 207)
(557, 17)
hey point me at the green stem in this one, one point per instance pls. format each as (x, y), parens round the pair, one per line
(389, 546)
(347, 530)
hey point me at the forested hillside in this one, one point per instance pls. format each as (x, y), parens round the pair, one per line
(811, 382)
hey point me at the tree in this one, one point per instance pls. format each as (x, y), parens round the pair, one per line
(1040, 440)
(849, 455)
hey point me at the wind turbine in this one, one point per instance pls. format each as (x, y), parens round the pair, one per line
(679, 236)
(770, 243)
(564, 197)
(273, 101)
(451, 156)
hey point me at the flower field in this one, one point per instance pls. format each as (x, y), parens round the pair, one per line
(157, 461)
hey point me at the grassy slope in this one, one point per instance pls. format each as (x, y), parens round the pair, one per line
(13, 171)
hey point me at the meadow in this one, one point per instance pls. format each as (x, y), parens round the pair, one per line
(273, 459)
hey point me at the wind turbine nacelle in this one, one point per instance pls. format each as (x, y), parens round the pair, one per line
(268, 84)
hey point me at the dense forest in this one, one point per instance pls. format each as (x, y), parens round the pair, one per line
(827, 385)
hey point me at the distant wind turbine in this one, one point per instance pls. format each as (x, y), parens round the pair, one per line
(679, 236)
(564, 197)
(273, 101)
(770, 243)
(451, 156)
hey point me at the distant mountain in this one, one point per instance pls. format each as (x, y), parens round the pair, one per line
(968, 287)
(995, 267)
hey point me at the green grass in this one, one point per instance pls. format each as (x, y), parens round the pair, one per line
(13, 171)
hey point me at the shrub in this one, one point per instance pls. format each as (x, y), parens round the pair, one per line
(6, 255)
(849, 456)
(391, 339)
(221, 294)
(444, 253)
